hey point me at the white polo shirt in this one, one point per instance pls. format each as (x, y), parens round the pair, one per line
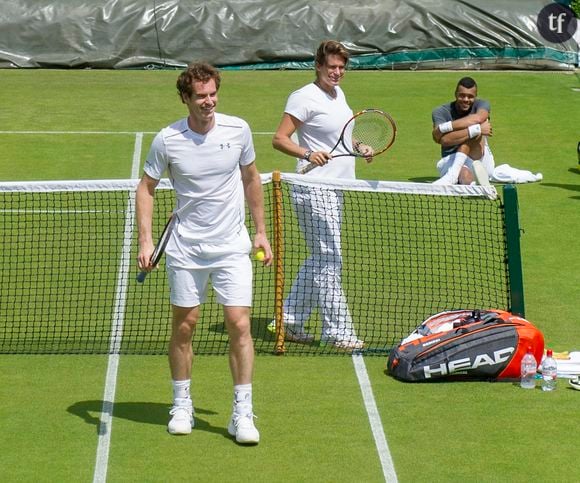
(323, 118)
(205, 169)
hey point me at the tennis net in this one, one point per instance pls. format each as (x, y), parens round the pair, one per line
(409, 250)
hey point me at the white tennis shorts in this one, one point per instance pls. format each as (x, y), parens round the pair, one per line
(191, 267)
(487, 160)
(230, 276)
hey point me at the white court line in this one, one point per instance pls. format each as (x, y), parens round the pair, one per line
(132, 133)
(105, 426)
(59, 212)
(260, 133)
(374, 419)
(137, 155)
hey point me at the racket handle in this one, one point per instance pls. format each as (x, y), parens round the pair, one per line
(141, 276)
(307, 168)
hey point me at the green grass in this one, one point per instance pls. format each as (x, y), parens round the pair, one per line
(313, 423)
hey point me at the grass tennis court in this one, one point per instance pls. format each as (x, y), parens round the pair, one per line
(313, 419)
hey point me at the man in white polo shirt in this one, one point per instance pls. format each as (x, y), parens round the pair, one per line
(209, 158)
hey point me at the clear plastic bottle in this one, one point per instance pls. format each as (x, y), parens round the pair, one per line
(549, 372)
(529, 369)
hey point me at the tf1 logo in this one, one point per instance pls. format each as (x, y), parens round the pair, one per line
(557, 23)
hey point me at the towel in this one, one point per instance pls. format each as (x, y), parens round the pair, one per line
(504, 173)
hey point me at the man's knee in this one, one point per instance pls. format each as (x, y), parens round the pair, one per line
(471, 148)
(238, 321)
(466, 176)
(184, 323)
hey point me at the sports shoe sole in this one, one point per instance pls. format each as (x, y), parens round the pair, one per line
(344, 346)
(232, 432)
(575, 383)
(480, 174)
(186, 429)
(179, 432)
(182, 428)
(300, 338)
(349, 347)
(291, 336)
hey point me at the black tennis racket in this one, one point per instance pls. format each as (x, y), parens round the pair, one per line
(373, 132)
(162, 243)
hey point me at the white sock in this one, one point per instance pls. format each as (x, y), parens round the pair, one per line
(452, 174)
(243, 398)
(181, 394)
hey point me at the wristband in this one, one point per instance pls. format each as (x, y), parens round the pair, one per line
(445, 127)
(307, 155)
(474, 131)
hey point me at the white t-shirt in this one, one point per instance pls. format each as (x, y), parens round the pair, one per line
(205, 169)
(323, 119)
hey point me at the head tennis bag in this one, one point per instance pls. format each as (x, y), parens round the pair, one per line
(466, 344)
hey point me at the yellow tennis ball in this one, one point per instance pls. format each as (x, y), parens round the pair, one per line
(260, 254)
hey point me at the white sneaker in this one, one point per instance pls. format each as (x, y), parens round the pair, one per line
(297, 334)
(182, 420)
(348, 343)
(575, 383)
(242, 427)
(293, 333)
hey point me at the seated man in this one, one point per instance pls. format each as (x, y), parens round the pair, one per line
(461, 128)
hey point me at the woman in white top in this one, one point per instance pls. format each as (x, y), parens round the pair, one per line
(317, 113)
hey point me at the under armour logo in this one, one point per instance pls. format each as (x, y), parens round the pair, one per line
(241, 396)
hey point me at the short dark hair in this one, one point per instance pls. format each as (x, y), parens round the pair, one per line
(331, 47)
(196, 72)
(467, 82)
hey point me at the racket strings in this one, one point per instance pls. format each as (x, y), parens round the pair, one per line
(372, 130)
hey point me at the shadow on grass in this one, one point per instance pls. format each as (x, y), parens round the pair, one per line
(454, 379)
(569, 187)
(423, 179)
(139, 412)
(259, 328)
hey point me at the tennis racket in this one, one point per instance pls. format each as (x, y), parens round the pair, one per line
(373, 131)
(163, 240)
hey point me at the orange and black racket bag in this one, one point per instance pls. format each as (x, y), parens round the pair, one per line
(466, 344)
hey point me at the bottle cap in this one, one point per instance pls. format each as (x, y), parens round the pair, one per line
(529, 348)
(549, 353)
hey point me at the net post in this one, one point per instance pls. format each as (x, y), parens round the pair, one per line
(514, 256)
(279, 347)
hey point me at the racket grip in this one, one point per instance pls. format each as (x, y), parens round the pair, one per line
(307, 168)
(141, 276)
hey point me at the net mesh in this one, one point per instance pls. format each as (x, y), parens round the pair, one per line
(68, 265)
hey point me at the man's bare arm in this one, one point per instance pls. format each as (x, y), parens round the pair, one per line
(144, 208)
(255, 200)
(459, 132)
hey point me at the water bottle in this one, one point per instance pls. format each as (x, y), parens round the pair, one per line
(549, 372)
(529, 368)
